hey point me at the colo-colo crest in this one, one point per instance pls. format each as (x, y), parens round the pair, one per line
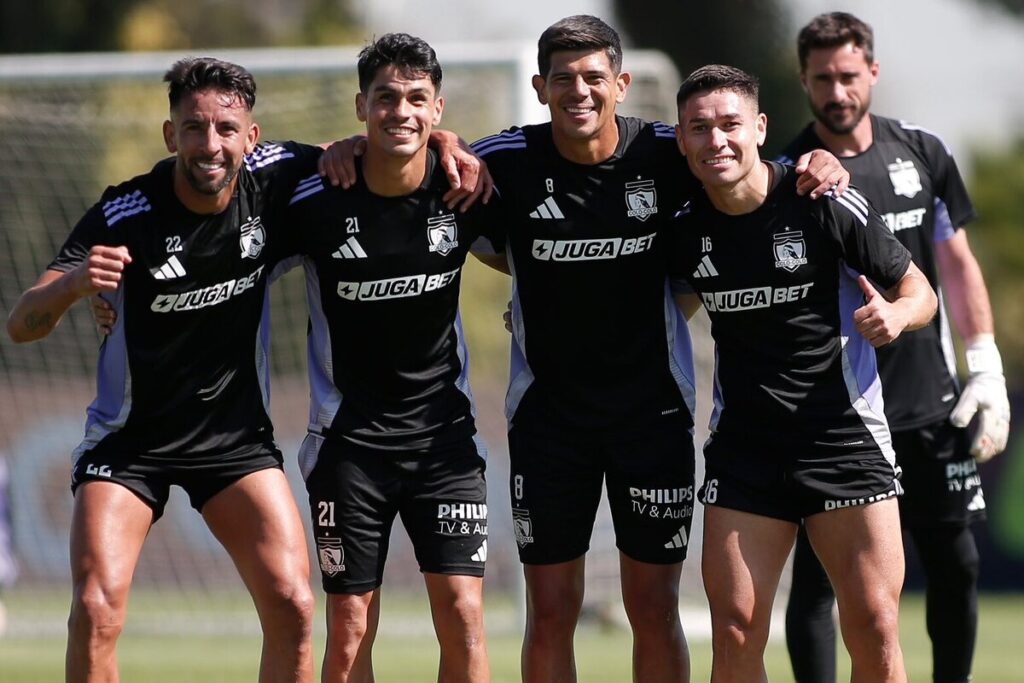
(790, 250)
(906, 182)
(442, 234)
(642, 199)
(252, 237)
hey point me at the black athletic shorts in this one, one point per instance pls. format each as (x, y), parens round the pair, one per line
(151, 478)
(790, 479)
(940, 477)
(355, 493)
(556, 483)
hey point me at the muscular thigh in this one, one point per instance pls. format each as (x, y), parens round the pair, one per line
(861, 548)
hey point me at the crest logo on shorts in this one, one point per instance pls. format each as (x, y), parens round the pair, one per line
(252, 237)
(442, 234)
(790, 250)
(331, 554)
(642, 199)
(523, 526)
(906, 182)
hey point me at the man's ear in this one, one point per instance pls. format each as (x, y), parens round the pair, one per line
(169, 141)
(539, 84)
(438, 110)
(622, 82)
(253, 137)
(361, 107)
(680, 143)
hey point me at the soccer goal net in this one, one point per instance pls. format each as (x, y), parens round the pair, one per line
(71, 125)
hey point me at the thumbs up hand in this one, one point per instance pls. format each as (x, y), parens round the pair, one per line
(878, 320)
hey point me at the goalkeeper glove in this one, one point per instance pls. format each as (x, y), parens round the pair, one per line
(985, 393)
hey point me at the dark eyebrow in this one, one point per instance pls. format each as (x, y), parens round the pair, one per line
(705, 119)
(387, 88)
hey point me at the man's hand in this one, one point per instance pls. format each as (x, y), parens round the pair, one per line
(819, 171)
(338, 162)
(101, 272)
(103, 314)
(878, 320)
(984, 394)
(467, 173)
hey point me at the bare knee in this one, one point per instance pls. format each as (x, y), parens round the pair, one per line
(872, 637)
(288, 610)
(348, 628)
(97, 614)
(652, 607)
(552, 613)
(737, 631)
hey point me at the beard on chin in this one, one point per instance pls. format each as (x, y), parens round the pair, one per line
(836, 127)
(206, 188)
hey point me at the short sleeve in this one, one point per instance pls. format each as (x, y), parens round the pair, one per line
(90, 231)
(864, 241)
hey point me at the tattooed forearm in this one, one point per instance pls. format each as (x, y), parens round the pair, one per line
(35, 321)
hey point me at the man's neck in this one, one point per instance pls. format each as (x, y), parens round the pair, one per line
(857, 141)
(589, 151)
(745, 195)
(394, 176)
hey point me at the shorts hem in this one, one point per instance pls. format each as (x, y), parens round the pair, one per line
(455, 570)
(636, 557)
(354, 589)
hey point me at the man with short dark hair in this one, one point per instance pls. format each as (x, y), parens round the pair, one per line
(392, 429)
(911, 178)
(182, 381)
(797, 434)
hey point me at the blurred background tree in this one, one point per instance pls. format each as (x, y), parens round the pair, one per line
(755, 36)
(105, 25)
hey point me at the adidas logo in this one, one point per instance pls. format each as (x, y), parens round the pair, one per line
(678, 541)
(977, 503)
(350, 249)
(705, 268)
(481, 553)
(170, 270)
(547, 210)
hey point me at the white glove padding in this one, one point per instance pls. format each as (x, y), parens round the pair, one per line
(985, 392)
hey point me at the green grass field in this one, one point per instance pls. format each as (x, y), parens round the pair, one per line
(406, 653)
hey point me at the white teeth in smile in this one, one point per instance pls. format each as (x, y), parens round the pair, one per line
(579, 110)
(399, 131)
(207, 166)
(717, 162)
